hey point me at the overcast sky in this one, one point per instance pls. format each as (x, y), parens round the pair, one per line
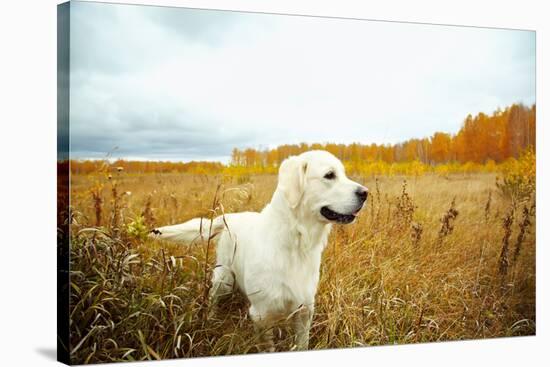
(179, 84)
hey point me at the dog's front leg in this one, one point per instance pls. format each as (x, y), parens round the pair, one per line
(302, 323)
(263, 326)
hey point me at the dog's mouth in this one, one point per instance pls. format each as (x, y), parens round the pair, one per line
(338, 217)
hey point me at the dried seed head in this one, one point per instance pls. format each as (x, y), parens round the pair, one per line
(504, 260)
(523, 230)
(416, 233)
(405, 207)
(447, 221)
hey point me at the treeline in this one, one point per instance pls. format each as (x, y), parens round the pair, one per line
(483, 138)
(482, 142)
(100, 166)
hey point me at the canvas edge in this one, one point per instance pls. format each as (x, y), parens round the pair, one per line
(63, 238)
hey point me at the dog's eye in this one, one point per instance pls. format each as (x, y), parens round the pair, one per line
(330, 176)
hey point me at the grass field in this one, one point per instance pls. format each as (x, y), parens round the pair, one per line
(430, 258)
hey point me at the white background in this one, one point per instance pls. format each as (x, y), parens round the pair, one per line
(27, 179)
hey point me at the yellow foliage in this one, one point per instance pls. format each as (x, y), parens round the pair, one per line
(518, 176)
(379, 167)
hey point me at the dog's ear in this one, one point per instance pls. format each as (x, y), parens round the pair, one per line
(292, 173)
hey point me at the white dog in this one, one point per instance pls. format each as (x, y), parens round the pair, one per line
(273, 257)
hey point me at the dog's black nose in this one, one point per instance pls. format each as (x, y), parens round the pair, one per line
(362, 193)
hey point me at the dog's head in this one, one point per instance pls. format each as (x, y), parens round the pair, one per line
(316, 183)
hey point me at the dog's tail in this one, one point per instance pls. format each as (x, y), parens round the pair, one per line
(194, 230)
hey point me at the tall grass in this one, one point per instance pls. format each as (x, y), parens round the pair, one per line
(385, 279)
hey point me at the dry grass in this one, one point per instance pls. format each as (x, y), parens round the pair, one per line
(422, 263)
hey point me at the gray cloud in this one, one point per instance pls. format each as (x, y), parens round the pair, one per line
(174, 83)
(194, 25)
